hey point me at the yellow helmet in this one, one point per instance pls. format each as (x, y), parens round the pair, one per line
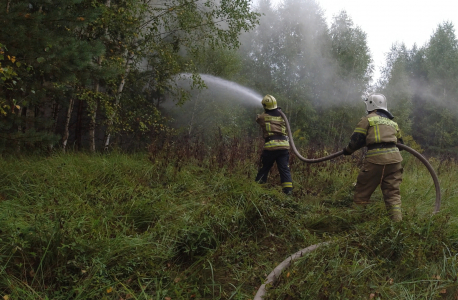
(269, 102)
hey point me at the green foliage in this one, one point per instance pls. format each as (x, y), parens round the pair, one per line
(9, 79)
(225, 63)
(349, 47)
(46, 41)
(92, 51)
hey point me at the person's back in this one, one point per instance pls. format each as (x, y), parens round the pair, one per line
(273, 130)
(276, 144)
(381, 136)
(382, 164)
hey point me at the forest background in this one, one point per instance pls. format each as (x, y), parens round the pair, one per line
(183, 79)
(101, 74)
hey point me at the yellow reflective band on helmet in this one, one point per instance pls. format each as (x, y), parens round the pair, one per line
(271, 118)
(379, 151)
(374, 121)
(361, 130)
(276, 143)
(287, 184)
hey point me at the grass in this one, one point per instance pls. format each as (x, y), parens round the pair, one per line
(182, 223)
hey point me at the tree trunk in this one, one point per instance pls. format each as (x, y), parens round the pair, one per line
(94, 106)
(54, 116)
(67, 123)
(29, 118)
(47, 111)
(191, 122)
(92, 124)
(79, 125)
(117, 100)
(21, 113)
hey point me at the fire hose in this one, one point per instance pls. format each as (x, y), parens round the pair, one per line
(273, 276)
(337, 154)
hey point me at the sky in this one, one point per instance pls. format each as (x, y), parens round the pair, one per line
(389, 21)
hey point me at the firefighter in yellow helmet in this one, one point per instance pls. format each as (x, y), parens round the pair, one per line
(382, 164)
(276, 146)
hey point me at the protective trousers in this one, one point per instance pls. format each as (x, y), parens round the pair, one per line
(389, 177)
(268, 158)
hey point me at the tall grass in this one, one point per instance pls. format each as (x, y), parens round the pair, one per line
(186, 221)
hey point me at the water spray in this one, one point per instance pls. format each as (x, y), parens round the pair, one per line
(240, 92)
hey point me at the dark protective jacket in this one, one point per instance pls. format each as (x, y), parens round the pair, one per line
(273, 130)
(380, 134)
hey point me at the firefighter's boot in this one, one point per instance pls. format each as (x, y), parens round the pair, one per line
(395, 213)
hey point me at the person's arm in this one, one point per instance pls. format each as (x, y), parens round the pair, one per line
(399, 137)
(358, 138)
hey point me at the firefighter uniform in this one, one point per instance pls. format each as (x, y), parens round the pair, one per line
(382, 164)
(276, 148)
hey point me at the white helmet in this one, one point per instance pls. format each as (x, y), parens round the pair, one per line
(375, 101)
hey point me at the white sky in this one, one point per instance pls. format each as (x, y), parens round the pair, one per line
(389, 21)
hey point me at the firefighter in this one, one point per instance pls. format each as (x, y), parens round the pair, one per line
(276, 146)
(382, 164)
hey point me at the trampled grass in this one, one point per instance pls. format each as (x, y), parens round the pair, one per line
(192, 225)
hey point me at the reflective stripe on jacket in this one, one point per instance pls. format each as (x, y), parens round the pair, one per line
(376, 129)
(272, 124)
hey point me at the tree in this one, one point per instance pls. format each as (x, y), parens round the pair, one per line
(84, 54)
(396, 85)
(43, 36)
(315, 72)
(170, 29)
(441, 62)
(351, 52)
(287, 55)
(423, 85)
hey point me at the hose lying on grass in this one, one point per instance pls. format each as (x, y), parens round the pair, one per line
(273, 276)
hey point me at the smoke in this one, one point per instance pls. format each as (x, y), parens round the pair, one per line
(435, 93)
(408, 77)
(298, 56)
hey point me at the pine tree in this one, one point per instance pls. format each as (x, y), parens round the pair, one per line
(45, 36)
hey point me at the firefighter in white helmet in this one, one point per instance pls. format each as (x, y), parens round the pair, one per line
(276, 146)
(382, 164)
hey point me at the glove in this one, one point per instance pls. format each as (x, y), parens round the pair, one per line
(345, 152)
